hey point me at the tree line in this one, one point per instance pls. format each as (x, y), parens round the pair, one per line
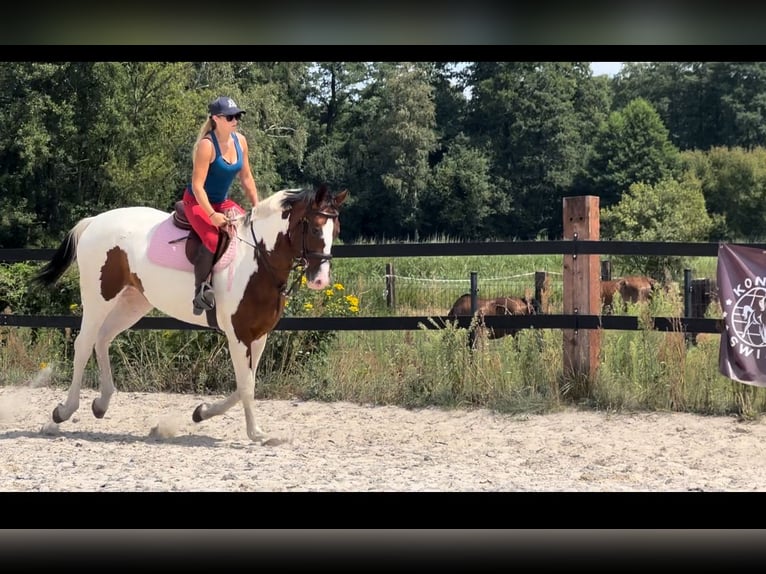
(676, 151)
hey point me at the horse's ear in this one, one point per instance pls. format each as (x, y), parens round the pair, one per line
(340, 198)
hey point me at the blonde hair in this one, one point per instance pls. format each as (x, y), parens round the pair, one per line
(206, 128)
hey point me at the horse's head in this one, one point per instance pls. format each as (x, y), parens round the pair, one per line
(313, 225)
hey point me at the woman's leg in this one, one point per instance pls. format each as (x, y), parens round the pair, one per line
(204, 299)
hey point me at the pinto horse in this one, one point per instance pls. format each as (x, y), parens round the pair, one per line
(120, 282)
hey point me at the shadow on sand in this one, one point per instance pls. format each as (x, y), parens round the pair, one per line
(117, 438)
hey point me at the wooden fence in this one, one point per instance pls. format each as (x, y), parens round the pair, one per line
(581, 322)
(688, 323)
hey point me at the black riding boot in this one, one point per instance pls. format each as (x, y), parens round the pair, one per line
(204, 299)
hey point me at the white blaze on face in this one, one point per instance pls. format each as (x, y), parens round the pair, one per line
(322, 279)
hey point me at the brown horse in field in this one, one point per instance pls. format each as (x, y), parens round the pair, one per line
(498, 306)
(633, 289)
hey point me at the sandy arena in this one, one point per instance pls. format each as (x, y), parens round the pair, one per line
(148, 442)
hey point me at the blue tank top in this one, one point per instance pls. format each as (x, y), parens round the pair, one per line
(220, 173)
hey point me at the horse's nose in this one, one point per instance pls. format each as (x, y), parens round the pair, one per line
(318, 283)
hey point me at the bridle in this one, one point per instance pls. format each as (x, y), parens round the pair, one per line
(300, 262)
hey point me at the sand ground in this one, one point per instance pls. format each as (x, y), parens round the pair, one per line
(148, 442)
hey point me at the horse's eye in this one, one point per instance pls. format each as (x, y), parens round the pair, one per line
(316, 231)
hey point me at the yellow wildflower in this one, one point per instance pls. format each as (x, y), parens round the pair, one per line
(303, 280)
(43, 365)
(338, 287)
(73, 307)
(352, 300)
(329, 292)
(308, 306)
(353, 308)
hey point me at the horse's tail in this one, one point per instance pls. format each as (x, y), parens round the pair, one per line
(65, 255)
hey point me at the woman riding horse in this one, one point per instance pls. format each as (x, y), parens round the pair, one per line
(219, 155)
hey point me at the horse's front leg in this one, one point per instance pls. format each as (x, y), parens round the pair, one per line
(245, 376)
(245, 370)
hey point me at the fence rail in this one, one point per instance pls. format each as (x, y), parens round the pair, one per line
(398, 250)
(609, 322)
(681, 249)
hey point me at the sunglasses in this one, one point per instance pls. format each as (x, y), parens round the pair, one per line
(231, 117)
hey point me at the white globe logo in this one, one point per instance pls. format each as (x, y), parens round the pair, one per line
(748, 315)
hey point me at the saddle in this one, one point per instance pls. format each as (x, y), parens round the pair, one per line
(193, 241)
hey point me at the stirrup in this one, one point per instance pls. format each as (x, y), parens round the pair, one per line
(204, 300)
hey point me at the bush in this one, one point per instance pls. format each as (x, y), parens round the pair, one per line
(297, 353)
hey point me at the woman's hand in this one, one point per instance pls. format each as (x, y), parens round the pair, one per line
(219, 219)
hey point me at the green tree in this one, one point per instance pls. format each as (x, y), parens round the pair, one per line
(36, 146)
(392, 136)
(334, 90)
(703, 104)
(744, 104)
(632, 147)
(525, 115)
(90, 137)
(734, 186)
(448, 80)
(668, 210)
(460, 196)
(147, 116)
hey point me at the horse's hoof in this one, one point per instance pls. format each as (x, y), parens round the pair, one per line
(56, 416)
(97, 411)
(257, 435)
(197, 414)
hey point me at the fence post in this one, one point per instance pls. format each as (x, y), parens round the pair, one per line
(474, 308)
(390, 286)
(582, 294)
(688, 301)
(606, 270)
(701, 296)
(542, 283)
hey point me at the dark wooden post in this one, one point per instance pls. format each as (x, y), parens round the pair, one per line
(542, 283)
(390, 286)
(606, 270)
(696, 300)
(474, 308)
(701, 296)
(582, 295)
(688, 278)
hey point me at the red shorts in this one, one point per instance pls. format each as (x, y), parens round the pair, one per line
(199, 220)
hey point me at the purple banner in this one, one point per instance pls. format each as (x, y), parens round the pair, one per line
(741, 276)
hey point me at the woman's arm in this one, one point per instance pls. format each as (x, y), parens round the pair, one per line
(202, 157)
(246, 175)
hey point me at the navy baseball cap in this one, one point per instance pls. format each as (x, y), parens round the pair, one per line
(224, 106)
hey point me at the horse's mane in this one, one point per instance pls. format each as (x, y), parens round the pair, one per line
(280, 200)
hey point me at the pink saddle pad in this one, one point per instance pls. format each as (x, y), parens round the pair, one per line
(167, 247)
